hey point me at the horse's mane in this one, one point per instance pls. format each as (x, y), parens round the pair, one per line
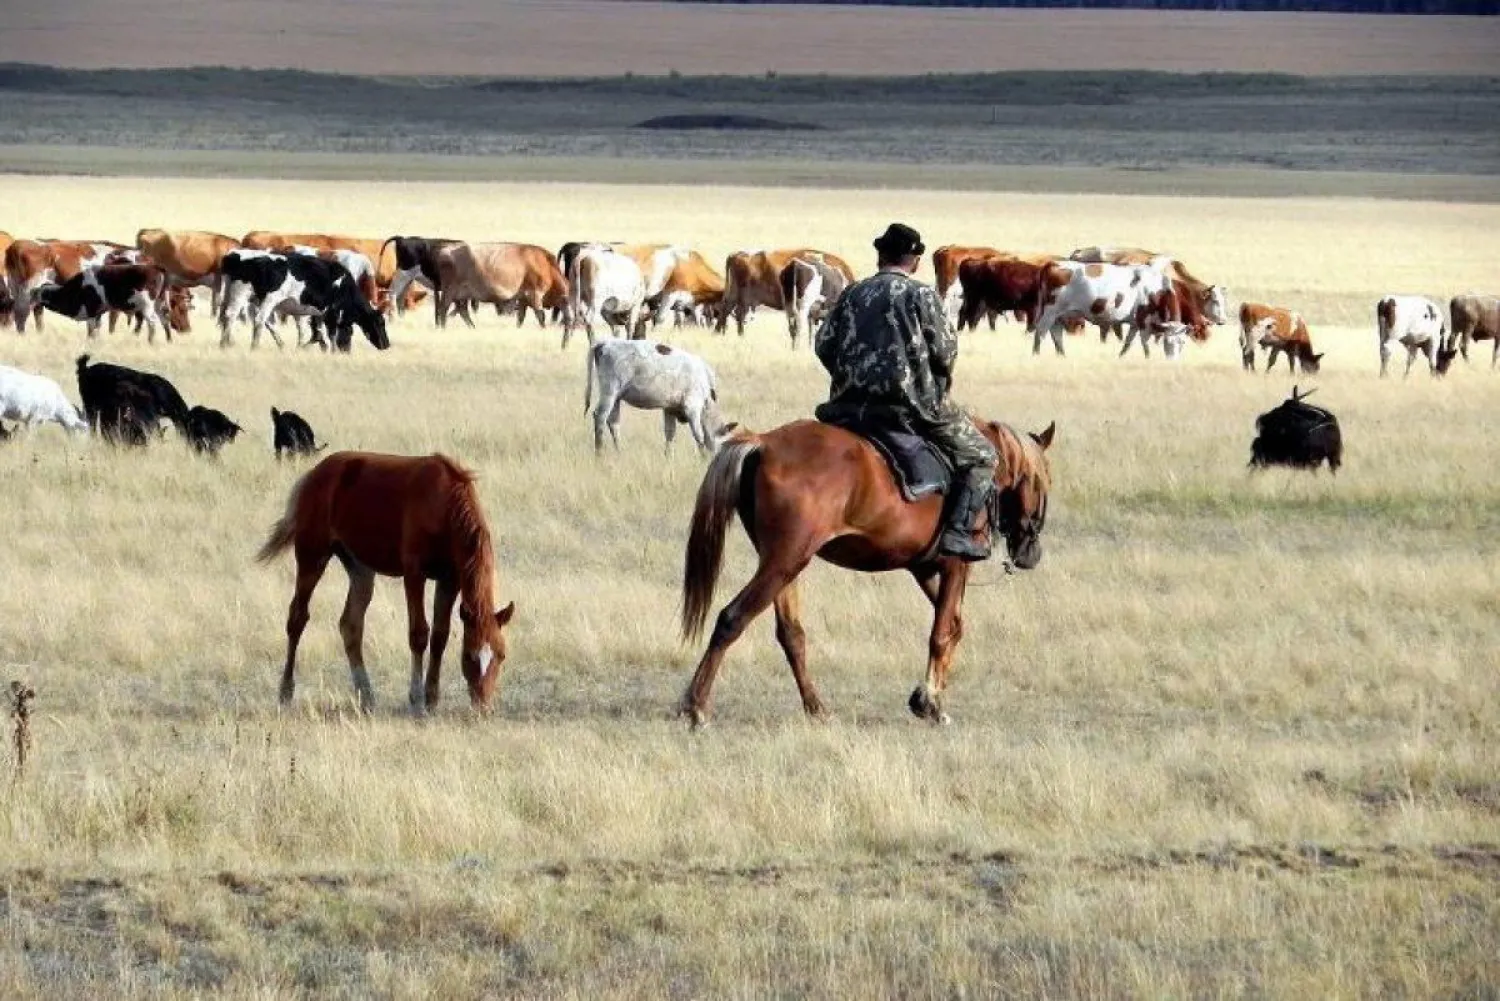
(472, 543)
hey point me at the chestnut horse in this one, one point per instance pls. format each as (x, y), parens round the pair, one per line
(416, 518)
(809, 489)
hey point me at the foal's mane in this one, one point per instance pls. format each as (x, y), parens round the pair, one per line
(472, 544)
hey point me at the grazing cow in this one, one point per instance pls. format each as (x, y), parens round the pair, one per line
(96, 291)
(416, 263)
(1417, 324)
(1172, 316)
(1106, 295)
(1211, 300)
(1298, 435)
(209, 430)
(946, 262)
(653, 376)
(1279, 330)
(505, 274)
(190, 257)
(380, 253)
(691, 286)
(124, 404)
(292, 435)
(297, 285)
(753, 278)
(605, 286)
(30, 264)
(1476, 318)
(36, 399)
(809, 288)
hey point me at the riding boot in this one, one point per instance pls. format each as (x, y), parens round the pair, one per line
(959, 536)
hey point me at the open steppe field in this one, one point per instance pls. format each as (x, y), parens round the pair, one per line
(1236, 736)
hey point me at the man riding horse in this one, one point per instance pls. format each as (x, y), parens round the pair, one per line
(889, 352)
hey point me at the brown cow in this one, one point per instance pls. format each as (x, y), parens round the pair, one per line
(1279, 330)
(7, 304)
(997, 285)
(504, 274)
(1475, 318)
(29, 264)
(945, 264)
(753, 278)
(191, 257)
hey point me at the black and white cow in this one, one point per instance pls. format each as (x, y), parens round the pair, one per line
(95, 292)
(416, 261)
(268, 284)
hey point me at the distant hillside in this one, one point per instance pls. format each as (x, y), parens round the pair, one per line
(1469, 7)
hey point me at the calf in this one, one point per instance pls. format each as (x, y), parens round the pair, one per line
(1279, 330)
(1171, 316)
(298, 285)
(292, 435)
(1298, 435)
(653, 376)
(809, 288)
(1475, 317)
(123, 403)
(36, 399)
(209, 430)
(1417, 324)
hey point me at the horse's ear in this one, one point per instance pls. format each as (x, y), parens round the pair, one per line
(1319, 357)
(1045, 438)
(503, 615)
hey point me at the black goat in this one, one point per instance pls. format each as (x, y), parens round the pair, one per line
(1297, 434)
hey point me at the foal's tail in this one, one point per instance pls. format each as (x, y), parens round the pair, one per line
(718, 497)
(284, 532)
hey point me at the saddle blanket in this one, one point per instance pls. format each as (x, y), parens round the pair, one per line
(919, 468)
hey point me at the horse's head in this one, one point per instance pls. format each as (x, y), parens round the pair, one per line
(1018, 507)
(484, 651)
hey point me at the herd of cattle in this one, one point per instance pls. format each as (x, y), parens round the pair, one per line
(341, 282)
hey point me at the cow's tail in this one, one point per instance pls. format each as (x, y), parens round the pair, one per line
(1039, 305)
(1385, 317)
(83, 364)
(731, 295)
(284, 532)
(588, 374)
(718, 498)
(788, 285)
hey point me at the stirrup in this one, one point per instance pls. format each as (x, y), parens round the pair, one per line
(963, 545)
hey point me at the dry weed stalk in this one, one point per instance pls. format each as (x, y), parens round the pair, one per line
(20, 708)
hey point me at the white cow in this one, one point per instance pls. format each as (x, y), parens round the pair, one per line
(1416, 323)
(36, 399)
(653, 376)
(1106, 295)
(604, 287)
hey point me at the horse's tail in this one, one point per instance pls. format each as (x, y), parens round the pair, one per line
(284, 532)
(718, 497)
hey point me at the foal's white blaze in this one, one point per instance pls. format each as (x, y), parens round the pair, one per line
(485, 656)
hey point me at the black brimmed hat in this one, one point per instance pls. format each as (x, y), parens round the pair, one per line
(899, 240)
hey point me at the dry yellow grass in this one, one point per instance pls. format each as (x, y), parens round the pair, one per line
(1235, 736)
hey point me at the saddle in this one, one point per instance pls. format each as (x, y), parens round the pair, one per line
(918, 467)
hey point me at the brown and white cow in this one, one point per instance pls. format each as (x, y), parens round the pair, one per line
(7, 304)
(753, 278)
(692, 285)
(1279, 330)
(809, 288)
(1172, 316)
(1475, 318)
(1212, 300)
(96, 291)
(29, 264)
(1110, 296)
(504, 274)
(1418, 325)
(190, 257)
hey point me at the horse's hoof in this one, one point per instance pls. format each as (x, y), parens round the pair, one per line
(942, 719)
(918, 704)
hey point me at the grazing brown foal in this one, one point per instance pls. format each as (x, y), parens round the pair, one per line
(808, 490)
(416, 518)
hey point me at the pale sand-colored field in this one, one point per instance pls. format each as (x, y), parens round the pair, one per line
(601, 37)
(1237, 735)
